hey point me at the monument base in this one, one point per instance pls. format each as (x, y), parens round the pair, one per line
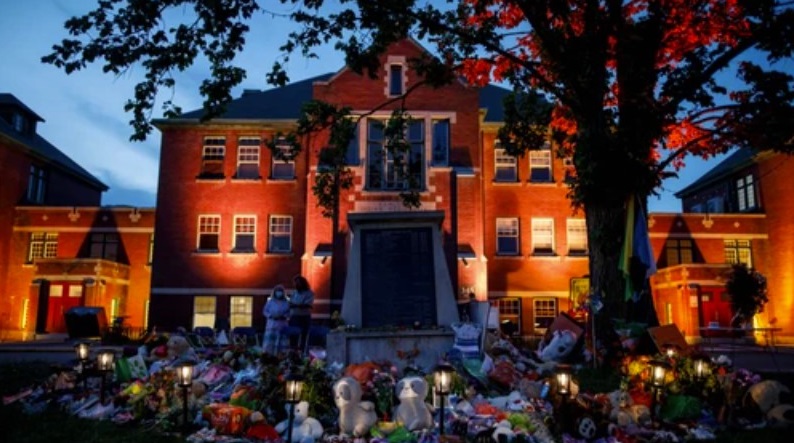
(422, 347)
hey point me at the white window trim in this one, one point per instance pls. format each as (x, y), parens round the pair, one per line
(241, 147)
(270, 233)
(213, 149)
(544, 157)
(499, 159)
(214, 311)
(536, 224)
(235, 226)
(517, 236)
(249, 311)
(281, 144)
(198, 230)
(535, 301)
(576, 223)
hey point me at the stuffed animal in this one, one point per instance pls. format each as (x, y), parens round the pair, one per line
(412, 411)
(770, 397)
(356, 417)
(624, 412)
(558, 347)
(179, 347)
(305, 429)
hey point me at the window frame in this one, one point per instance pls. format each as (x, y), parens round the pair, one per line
(103, 241)
(746, 198)
(536, 231)
(213, 153)
(734, 250)
(272, 234)
(575, 227)
(510, 229)
(206, 314)
(541, 160)
(47, 243)
(501, 163)
(379, 160)
(239, 222)
(551, 311)
(37, 184)
(200, 233)
(510, 309)
(248, 154)
(674, 246)
(396, 88)
(247, 314)
(434, 148)
(276, 164)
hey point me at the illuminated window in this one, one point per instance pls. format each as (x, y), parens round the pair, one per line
(506, 166)
(387, 171)
(150, 255)
(540, 165)
(56, 291)
(248, 157)
(738, 251)
(212, 156)
(114, 308)
(204, 311)
(37, 184)
(577, 236)
(745, 193)
(280, 234)
(104, 246)
(75, 291)
(507, 238)
(678, 252)
(209, 232)
(241, 311)
(510, 309)
(544, 312)
(543, 236)
(244, 233)
(396, 80)
(42, 245)
(283, 165)
(440, 142)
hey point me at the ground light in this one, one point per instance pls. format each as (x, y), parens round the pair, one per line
(105, 364)
(562, 378)
(702, 368)
(442, 377)
(184, 374)
(659, 369)
(82, 350)
(293, 390)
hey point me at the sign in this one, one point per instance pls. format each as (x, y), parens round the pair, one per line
(578, 292)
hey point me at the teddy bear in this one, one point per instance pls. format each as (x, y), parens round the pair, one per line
(413, 411)
(179, 348)
(305, 429)
(356, 417)
(624, 412)
(770, 399)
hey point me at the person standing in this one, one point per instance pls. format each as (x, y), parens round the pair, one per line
(276, 312)
(300, 313)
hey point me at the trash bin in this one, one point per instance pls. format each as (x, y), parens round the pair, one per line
(86, 321)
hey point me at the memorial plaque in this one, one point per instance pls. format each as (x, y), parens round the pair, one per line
(398, 277)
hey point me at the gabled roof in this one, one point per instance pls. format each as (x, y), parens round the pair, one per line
(284, 103)
(737, 161)
(41, 148)
(7, 99)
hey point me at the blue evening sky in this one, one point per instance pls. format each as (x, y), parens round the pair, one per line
(84, 112)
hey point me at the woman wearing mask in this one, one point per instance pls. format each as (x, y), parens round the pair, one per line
(276, 312)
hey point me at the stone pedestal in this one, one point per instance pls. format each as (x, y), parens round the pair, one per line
(426, 345)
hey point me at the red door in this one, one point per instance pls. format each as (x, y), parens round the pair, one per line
(717, 311)
(63, 296)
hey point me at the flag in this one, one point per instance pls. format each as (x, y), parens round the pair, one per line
(636, 256)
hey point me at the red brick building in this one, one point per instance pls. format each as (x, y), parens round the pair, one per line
(737, 212)
(58, 247)
(233, 221)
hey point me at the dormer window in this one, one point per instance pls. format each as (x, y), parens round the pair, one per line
(396, 80)
(18, 122)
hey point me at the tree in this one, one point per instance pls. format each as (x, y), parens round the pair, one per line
(634, 82)
(747, 288)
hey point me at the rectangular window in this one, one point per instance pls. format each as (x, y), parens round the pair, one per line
(283, 165)
(244, 233)
(738, 251)
(280, 234)
(510, 310)
(209, 232)
(204, 311)
(56, 291)
(150, 255)
(105, 246)
(745, 193)
(678, 252)
(42, 245)
(540, 166)
(544, 312)
(75, 291)
(352, 153)
(715, 205)
(577, 236)
(212, 156)
(507, 237)
(248, 157)
(440, 142)
(395, 80)
(506, 166)
(543, 236)
(241, 311)
(37, 184)
(390, 172)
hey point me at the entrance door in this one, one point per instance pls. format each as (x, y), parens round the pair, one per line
(63, 296)
(717, 311)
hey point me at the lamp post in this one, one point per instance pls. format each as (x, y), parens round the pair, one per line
(105, 361)
(184, 375)
(659, 370)
(82, 351)
(292, 393)
(562, 376)
(443, 385)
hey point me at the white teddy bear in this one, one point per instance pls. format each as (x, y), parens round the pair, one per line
(356, 417)
(413, 411)
(305, 429)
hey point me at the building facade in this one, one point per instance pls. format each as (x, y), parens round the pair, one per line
(58, 247)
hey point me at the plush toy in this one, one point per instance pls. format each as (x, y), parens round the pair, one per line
(624, 412)
(356, 417)
(770, 397)
(178, 347)
(558, 347)
(413, 411)
(305, 429)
